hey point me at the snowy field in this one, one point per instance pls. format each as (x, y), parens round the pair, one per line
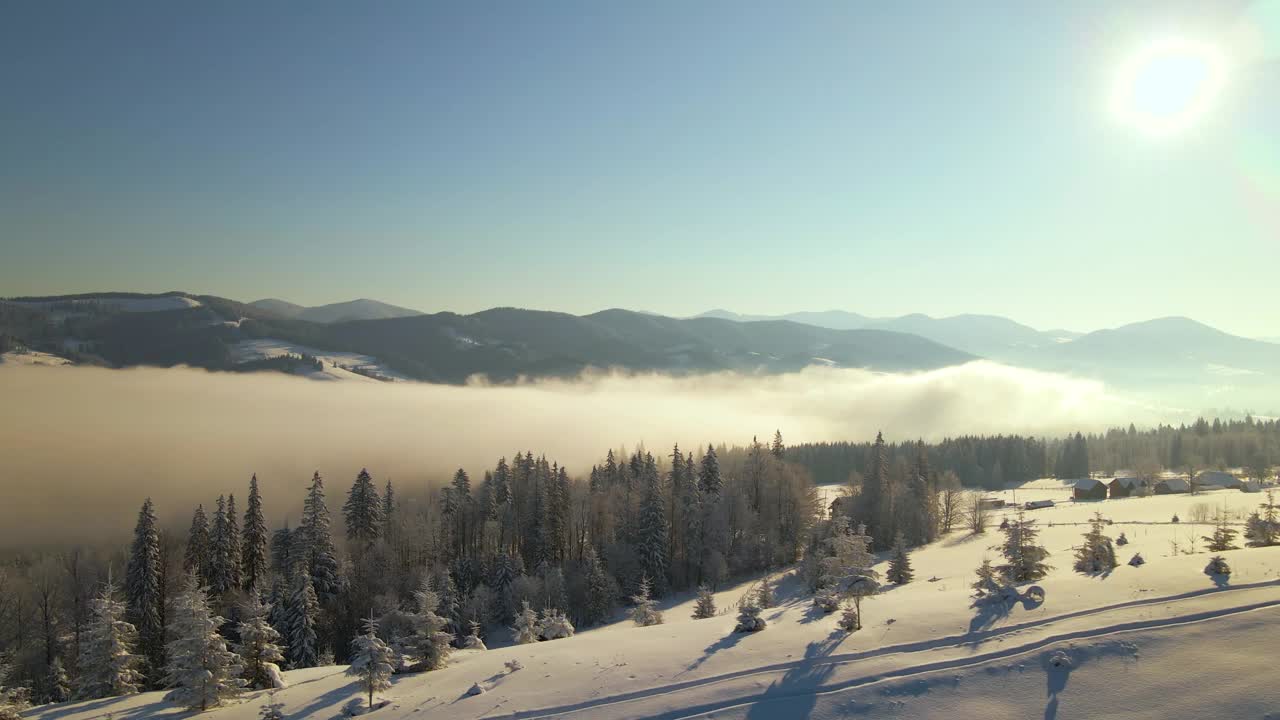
(1158, 641)
(337, 365)
(31, 357)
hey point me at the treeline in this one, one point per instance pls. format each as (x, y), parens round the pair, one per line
(993, 461)
(526, 532)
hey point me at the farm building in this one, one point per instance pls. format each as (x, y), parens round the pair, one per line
(1172, 486)
(989, 503)
(1215, 479)
(1089, 489)
(1038, 504)
(1126, 486)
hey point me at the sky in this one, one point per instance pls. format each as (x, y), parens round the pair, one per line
(882, 158)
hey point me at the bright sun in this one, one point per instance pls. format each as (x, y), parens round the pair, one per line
(1168, 86)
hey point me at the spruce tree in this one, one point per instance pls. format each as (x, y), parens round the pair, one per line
(57, 682)
(1263, 528)
(108, 666)
(1024, 559)
(553, 625)
(220, 551)
(429, 641)
(652, 537)
(749, 619)
(525, 629)
(303, 610)
(1097, 554)
(388, 510)
(899, 572)
(281, 551)
(201, 670)
(253, 559)
(764, 596)
(363, 511)
(705, 606)
(235, 556)
(259, 648)
(196, 558)
(372, 661)
(144, 591)
(709, 480)
(316, 542)
(1223, 537)
(777, 449)
(599, 591)
(645, 613)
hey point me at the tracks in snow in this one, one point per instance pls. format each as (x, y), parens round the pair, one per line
(971, 639)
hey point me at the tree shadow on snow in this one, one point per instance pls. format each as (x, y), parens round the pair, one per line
(723, 643)
(800, 683)
(812, 614)
(1057, 667)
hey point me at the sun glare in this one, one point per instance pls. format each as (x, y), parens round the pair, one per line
(1168, 86)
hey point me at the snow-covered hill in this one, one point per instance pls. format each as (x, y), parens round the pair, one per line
(1161, 640)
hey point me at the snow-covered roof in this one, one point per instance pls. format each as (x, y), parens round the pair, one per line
(1128, 482)
(1217, 477)
(1175, 484)
(1086, 483)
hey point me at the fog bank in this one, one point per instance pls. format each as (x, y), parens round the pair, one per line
(81, 447)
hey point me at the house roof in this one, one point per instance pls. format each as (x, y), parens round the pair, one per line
(1087, 484)
(1128, 482)
(1216, 477)
(1175, 484)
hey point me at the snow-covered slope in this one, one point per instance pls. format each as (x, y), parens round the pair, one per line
(32, 357)
(118, 304)
(337, 365)
(1162, 640)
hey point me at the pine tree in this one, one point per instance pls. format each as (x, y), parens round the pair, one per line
(259, 648)
(1263, 529)
(851, 619)
(235, 555)
(429, 642)
(873, 504)
(1096, 554)
(1223, 537)
(709, 480)
(144, 591)
(1217, 566)
(652, 537)
(196, 559)
(57, 683)
(253, 559)
(371, 660)
(473, 641)
(220, 551)
(317, 542)
(749, 619)
(1024, 559)
(553, 625)
(764, 596)
(525, 629)
(645, 613)
(777, 448)
(705, 607)
(986, 584)
(201, 671)
(281, 551)
(363, 511)
(600, 592)
(108, 666)
(899, 572)
(388, 510)
(303, 608)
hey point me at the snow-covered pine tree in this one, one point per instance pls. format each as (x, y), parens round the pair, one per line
(429, 641)
(144, 592)
(108, 666)
(847, 569)
(371, 660)
(599, 590)
(315, 541)
(388, 510)
(1024, 559)
(219, 550)
(282, 541)
(201, 670)
(57, 682)
(259, 649)
(749, 619)
(553, 625)
(705, 606)
(826, 599)
(1096, 554)
(253, 558)
(303, 607)
(196, 558)
(1224, 535)
(13, 701)
(709, 480)
(363, 511)
(899, 572)
(764, 596)
(234, 546)
(645, 612)
(851, 619)
(1122, 540)
(652, 536)
(473, 640)
(1263, 528)
(525, 628)
(986, 584)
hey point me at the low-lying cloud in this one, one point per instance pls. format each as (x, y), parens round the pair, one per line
(81, 447)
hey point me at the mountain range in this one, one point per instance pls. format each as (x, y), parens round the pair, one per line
(1166, 360)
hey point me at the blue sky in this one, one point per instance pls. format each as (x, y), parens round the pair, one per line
(883, 158)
